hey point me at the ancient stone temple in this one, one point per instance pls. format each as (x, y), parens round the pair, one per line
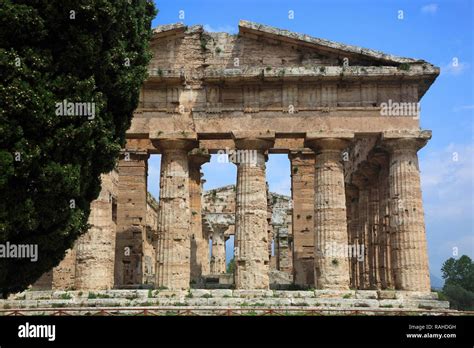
(348, 118)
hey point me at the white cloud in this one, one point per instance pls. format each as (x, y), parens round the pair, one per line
(220, 29)
(448, 190)
(447, 182)
(429, 9)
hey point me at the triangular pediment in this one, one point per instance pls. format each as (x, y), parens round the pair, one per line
(262, 52)
(322, 47)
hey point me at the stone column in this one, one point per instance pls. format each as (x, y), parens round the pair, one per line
(302, 195)
(251, 232)
(373, 228)
(283, 254)
(362, 229)
(131, 217)
(331, 271)
(410, 263)
(199, 244)
(352, 205)
(383, 256)
(218, 250)
(174, 218)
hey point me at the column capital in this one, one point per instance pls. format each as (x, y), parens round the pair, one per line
(253, 140)
(405, 141)
(184, 140)
(329, 142)
(174, 143)
(199, 156)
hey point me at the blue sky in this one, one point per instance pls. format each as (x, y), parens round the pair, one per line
(440, 32)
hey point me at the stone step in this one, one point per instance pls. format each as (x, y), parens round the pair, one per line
(225, 298)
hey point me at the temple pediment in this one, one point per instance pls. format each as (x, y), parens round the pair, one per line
(261, 52)
(326, 49)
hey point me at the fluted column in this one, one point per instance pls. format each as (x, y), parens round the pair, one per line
(410, 262)
(199, 244)
(362, 229)
(302, 195)
(331, 271)
(352, 206)
(174, 228)
(373, 230)
(218, 250)
(383, 237)
(251, 232)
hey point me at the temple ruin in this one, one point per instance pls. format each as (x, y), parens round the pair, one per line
(348, 119)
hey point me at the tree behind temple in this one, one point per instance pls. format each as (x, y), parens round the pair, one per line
(459, 282)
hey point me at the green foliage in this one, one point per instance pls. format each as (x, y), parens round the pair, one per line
(231, 266)
(460, 272)
(47, 56)
(459, 282)
(65, 296)
(459, 297)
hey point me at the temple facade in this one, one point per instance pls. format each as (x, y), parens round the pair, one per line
(347, 117)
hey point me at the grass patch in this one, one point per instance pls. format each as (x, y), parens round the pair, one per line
(93, 295)
(65, 296)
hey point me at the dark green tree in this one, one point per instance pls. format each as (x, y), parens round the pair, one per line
(459, 282)
(80, 51)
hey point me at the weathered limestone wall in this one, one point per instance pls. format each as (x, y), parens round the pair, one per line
(64, 274)
(219, 200)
